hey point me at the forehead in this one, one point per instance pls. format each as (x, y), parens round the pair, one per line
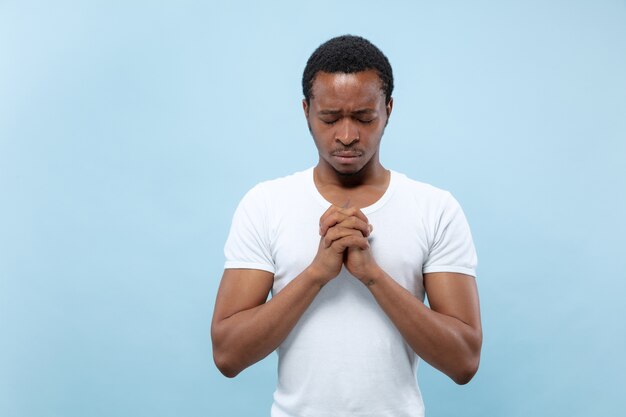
(364, 87)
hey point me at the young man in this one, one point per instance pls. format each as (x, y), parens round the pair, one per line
(348, 250)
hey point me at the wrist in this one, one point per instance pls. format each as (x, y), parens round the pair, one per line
(372, 276)
(315, 276)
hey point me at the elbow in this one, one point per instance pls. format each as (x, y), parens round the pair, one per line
(468, 367)
(223, 358)
(225, 365)
(466, 371)
(465, 375)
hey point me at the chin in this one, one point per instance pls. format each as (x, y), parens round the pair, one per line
(346, 171)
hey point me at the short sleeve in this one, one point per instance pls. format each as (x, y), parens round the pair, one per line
(452, 248)
(248, 243)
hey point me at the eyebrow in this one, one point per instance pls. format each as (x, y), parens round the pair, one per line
(335, 112)
(364, 111)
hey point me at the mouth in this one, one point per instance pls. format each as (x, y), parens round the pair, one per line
(346, 157)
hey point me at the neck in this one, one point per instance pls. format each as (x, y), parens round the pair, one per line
(373, 174)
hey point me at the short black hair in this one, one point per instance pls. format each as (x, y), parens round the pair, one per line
(347, 54)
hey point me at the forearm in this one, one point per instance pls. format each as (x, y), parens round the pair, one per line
(250, 335)
(445, 342)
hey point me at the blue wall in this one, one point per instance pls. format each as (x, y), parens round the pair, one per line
(129, 132)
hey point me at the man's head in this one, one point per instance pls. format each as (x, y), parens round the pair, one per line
(347, 54)
(347, 86)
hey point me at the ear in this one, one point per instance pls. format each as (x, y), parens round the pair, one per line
(389, 108)
(305, 107)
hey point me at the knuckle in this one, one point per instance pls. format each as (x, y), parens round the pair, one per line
(335, 218)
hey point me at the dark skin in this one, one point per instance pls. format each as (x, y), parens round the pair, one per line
(347, 116)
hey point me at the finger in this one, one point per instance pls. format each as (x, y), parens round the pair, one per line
(332, 208)
(351, 241)
(354, 211)
(357, 224)
(351, 222)
(335, 215)
(324, 219)
(331, 220)
(337, 233)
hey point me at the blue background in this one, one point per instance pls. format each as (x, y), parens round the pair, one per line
(130, 130)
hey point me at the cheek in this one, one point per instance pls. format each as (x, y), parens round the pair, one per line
(320, 130)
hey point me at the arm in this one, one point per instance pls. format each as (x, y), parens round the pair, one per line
(246, 328)
(448, 335)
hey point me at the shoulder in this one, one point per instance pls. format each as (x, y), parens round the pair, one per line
(423, 194)
(278, 189)
(288, 183)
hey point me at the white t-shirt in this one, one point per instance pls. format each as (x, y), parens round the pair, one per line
(345, 357)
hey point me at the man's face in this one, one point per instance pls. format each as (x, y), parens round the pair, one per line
(347, 115)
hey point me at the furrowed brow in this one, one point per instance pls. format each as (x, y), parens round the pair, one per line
(364, 111)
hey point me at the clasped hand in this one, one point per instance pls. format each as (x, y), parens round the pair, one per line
(344, 241)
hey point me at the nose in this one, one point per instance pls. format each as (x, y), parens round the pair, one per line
(347, 132)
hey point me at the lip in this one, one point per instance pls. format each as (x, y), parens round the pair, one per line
(346, 154)
(346, 157)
